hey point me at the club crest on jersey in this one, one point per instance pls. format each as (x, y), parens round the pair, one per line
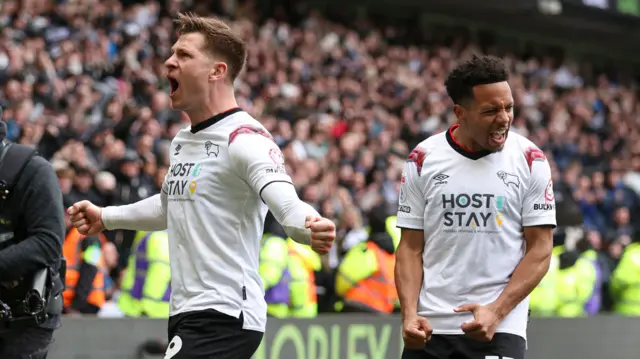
(211, 148)
(509, 179)
(533, 154)
(417, 156)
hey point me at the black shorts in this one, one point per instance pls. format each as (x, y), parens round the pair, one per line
(503, 346)
(210, 334)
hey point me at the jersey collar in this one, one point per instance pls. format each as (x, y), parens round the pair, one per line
(214, 119)
(472, 155)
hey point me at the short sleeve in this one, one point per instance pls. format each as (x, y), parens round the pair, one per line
(165, 184)
(539, 205)
(411, 202)
(257, 158)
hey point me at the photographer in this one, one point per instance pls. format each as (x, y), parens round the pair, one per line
(31, 235)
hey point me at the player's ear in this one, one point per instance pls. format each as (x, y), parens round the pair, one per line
(217, 71)
(460, 112)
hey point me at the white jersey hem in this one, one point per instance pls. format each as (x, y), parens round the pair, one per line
(255, 329)
(224, 310)
(220, 308)
(460, 332)
(538, 221)
(410, 226)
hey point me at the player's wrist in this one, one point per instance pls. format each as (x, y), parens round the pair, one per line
(106, 215)
(408, 314)
(499, 308)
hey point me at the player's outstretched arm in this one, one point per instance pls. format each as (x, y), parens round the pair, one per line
(259, 161)
(149, 214)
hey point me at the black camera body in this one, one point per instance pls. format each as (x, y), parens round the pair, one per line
(26, 307)
(28, 301)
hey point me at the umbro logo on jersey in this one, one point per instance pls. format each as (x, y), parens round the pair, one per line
(509, 179)
(178, 148)
(211, 148)
(440, 179)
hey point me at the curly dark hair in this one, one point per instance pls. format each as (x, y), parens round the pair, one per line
(479, 70)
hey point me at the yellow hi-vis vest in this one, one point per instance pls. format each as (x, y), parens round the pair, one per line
(273, 269)
(303, 263)
(542, 302)
(625, 282)
(393, 230)
(146, 286)
(575, 287)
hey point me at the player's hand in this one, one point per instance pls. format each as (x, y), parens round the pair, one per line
(484, 323)
(86, 217)
(416, 332)
(323, 233)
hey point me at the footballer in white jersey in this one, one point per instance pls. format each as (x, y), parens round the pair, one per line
(225, 173)
(477, 211)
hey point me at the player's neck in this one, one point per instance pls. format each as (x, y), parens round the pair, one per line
(465, 139)
(216, 105)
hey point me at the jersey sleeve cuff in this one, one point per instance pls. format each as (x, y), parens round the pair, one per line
(410, 223)
(262, 187)
(539, 221)
(108, 215)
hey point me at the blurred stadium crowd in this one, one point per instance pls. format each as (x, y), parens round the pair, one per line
(83, 81)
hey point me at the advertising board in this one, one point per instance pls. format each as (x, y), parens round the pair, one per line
(349, 337)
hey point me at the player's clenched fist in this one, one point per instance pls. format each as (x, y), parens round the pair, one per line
(416, 332)
(86, 217)
(323, 233)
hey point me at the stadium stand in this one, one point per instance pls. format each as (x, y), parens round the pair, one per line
(83, 82)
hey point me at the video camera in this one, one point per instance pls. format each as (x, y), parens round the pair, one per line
(29, 301)
(30, 310)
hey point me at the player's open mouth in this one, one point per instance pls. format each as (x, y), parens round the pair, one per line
(174, 85)
(498, 137)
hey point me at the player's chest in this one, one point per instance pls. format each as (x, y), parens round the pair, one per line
(196, 168)
(475, 193)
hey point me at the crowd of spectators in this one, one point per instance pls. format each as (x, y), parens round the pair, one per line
(84, 82)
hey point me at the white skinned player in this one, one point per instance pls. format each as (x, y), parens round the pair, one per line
(226, 172)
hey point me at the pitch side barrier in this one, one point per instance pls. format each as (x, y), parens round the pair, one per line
(350, 337)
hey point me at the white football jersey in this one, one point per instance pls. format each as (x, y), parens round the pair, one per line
(472, 207)
(215, 215)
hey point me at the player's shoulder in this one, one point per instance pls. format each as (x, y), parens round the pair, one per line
(524, 149)
(434, 141)
(426, 147)
(246, 125)
(517, 141)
